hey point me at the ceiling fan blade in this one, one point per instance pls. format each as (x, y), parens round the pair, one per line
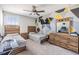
(40, 11)
(28, 10)
(61, 10)
(37, 14)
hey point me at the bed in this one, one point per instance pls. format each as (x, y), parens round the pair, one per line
(40, 36)
(37, 37)
(12, 43)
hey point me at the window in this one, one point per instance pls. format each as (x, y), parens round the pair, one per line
(11, 19)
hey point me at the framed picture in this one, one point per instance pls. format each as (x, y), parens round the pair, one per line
(63, 25)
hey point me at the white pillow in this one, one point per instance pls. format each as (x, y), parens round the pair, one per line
(45, 30)
(14, 34)
(73, 34)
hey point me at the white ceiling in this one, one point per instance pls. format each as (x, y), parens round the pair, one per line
(18, 8)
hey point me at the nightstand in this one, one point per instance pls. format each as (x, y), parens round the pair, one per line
(24, 35)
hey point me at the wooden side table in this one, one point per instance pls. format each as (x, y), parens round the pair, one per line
(24, 35)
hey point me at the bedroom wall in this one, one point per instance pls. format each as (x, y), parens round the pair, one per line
(69, 14)
(1, 22)
(51, 10)
(25, 22)
(22, 21)
(75, 20)
(1, 17)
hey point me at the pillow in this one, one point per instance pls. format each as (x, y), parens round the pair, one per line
(14, 34)
(45, 30)
(73, 34)
(31, 32)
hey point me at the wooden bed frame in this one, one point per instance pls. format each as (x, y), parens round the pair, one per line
(10, 29)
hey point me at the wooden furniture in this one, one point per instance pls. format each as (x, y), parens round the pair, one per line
(10, 29)
(13, 51)
(31, 29)
(65, 40)
(24, 35)
(16, 50)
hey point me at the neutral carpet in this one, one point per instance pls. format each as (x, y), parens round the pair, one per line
(46, 48)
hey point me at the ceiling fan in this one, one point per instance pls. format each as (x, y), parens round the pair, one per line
(35, 11)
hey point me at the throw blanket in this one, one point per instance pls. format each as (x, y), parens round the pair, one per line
(12, 41)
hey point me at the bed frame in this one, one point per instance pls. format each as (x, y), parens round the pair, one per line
(10, 29)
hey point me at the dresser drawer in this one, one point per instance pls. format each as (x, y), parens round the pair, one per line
(73, 48)
(51, 36)
(73, 43)
(65, 41)
(61, 40)
(74, 39)
(61, 44)
(51, 41)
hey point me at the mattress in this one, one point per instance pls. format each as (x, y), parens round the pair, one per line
(37, 37)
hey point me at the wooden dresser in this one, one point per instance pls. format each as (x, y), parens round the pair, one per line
(65, 40)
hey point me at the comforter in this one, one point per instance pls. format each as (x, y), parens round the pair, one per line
(37, 37)
(12, 41)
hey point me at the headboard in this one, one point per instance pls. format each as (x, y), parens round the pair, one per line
(31, 29)
(9, 29)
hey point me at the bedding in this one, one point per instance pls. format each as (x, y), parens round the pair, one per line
(0, 39)
(12, 41)
(37, 37)
(43, 34)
